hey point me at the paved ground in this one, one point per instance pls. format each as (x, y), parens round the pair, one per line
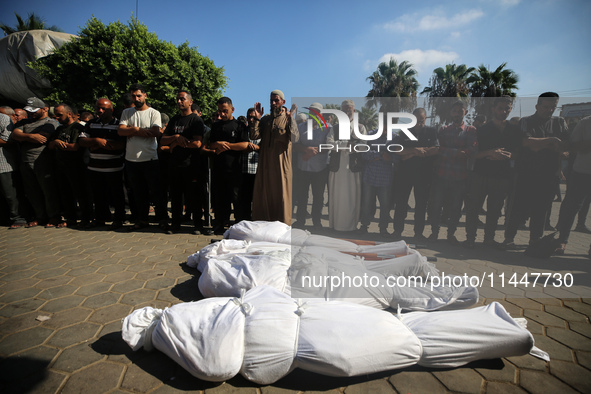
(63, 293)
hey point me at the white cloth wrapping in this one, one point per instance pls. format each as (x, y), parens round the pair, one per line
(230, 266)
(265, 334)
(455, 338)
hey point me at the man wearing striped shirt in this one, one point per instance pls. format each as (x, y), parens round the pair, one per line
(105, 168)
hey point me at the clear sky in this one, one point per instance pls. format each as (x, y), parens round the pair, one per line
(329, 48)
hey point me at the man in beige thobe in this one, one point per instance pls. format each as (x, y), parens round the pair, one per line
(272, 185)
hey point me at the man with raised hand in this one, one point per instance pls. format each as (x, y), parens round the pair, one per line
(141, 125)
(273, 183)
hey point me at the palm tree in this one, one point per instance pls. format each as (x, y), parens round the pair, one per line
(446, 86)
(33, 22)
(368, 117)
(484, 83)
(393, 80)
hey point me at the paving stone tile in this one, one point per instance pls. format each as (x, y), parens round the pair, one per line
(76, 357)
(110, 328)
(53, 282)
(98, 378)
(546, 300)
(57, 292)
(79, 333)
(525, 303)
(544, 318)
(19, 295)
(46, 382)
(160, 283)
(538, 382)
(23, 340)
(119, 277)
(581, 328)
(529, 362)
(139, 267)
(93, 289)
(416, 382)
(580, 307)
(67, 317)
(27, 363)
(503, 388)
(51, 273)
(18, 285)
(87, 279)
(569, 338)
(15, 276)
(556, 350)
(20, 307)
(508, 373)
(110, 313)
(280, 390)
(565, 313)
(148, 373)
(128, 286)
(572, 374)
(372, 386)
(14, 268)
(101, 300)
(227, 388)
(149, 274)
(131, 260)
(111, 269)
(138, 296)
(63, 303)
(85, 270)
(583, 358)
(19, 323)
(48, 264)
(462, 380)
(101, 259)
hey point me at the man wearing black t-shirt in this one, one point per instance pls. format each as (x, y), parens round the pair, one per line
(228, 138)
(538, 166)
(415, 170)
(71, 170)
(184, 135)
(498, 140)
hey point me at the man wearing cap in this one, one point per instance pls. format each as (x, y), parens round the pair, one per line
(312, 169)
(37, 165)
(8, 172)
(272, 187)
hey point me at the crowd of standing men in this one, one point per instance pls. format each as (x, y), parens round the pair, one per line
(515, 165)
(57, 170)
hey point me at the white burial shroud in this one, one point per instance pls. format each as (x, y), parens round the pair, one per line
(229, 266)
(265, 334)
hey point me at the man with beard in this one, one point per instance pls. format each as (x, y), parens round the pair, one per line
(141, 125)
(184, 135)
(273, 183)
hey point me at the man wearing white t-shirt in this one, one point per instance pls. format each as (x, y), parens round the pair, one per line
(141, 125)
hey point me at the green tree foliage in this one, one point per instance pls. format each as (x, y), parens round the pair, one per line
(395, 80)
(33, 22)
(105, 60)
(446, 86)
(485, 83)
(368, 117)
